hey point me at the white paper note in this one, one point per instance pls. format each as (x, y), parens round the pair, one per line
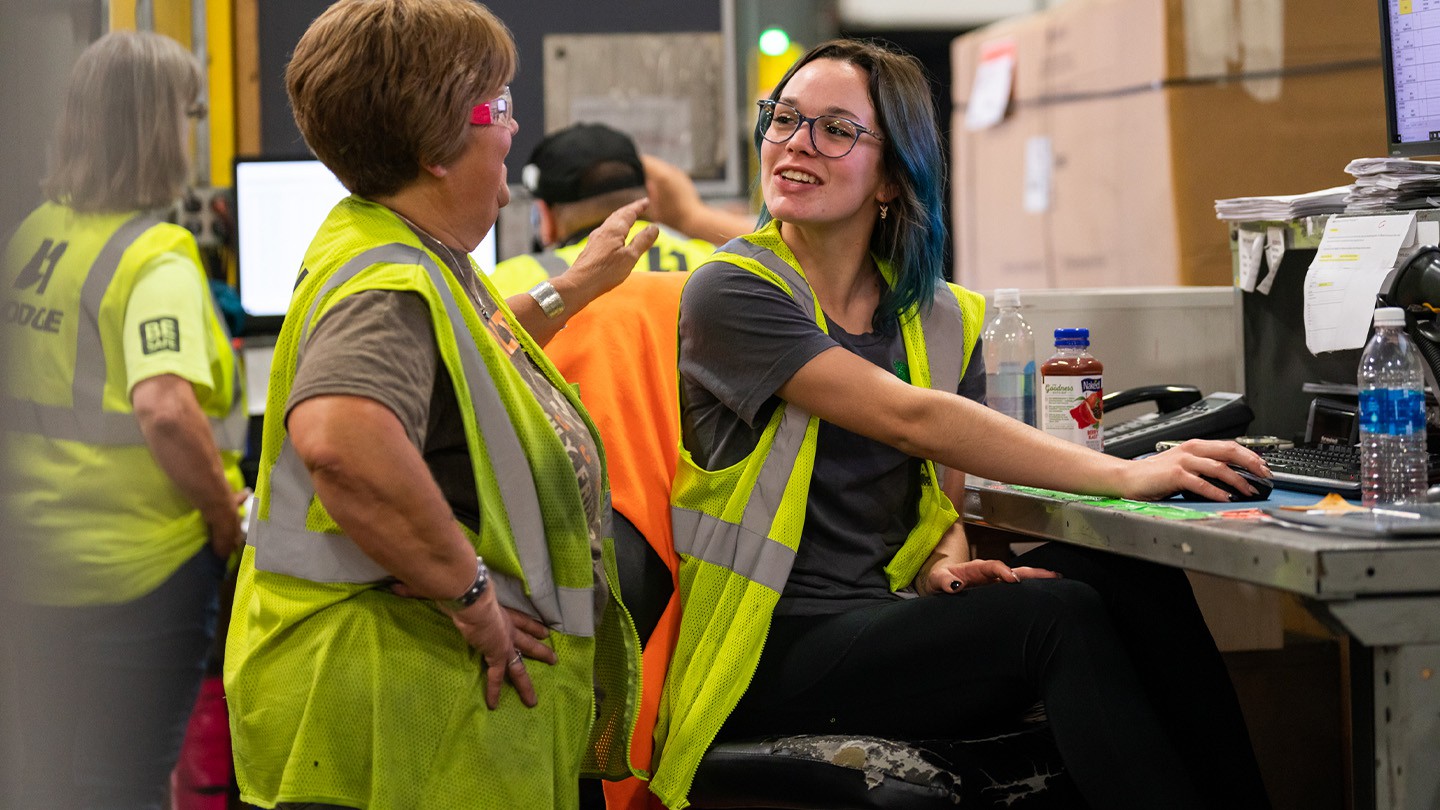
(1355, 255)
(1427, 232)
(1274, 254)
(1251, 249)
(990, 92)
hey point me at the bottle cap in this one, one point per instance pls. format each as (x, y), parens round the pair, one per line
(1007, 297)
(1390, 316)
(1072, 337)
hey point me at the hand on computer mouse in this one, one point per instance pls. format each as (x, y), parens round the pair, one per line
(1262, 486)
(1197, 465)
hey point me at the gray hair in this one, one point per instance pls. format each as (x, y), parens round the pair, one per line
(121, 142)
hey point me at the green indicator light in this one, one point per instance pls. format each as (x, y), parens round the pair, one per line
(774, 41)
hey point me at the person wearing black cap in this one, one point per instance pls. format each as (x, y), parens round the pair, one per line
(579, 176)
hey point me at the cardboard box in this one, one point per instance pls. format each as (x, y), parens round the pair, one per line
(1152, 110)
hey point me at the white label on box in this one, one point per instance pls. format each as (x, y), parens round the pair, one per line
(1262, 45)
(990, 92)
(1039, 167)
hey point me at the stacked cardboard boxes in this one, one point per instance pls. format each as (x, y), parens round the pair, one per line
(1129, 118)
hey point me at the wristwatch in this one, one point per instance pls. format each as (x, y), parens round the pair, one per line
(473, 593)
(548, 298)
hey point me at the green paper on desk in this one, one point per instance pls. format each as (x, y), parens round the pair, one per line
(1146, 508)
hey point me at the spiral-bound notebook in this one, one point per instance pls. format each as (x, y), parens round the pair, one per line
(1409, 521)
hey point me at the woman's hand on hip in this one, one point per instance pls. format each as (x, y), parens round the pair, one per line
(955, 577)
(227, 530)
(529, 636)
(491, 631)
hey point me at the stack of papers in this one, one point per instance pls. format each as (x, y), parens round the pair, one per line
(1388, 184)
(1283, 207)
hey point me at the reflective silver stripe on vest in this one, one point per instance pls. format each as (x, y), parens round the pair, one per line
(283, 545)
(944, 329)
(746, 548)
(86, 420)
(552, 263)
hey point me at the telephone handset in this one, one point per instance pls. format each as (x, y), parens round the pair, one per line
(1166, 397)
(1183, 414)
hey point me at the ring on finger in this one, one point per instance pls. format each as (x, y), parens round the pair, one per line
(517, 659)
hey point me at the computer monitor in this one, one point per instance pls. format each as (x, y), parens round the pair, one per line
(279, 205)
(1410, 40)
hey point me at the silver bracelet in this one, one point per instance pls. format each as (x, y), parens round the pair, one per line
(473, 593)
(548, 298)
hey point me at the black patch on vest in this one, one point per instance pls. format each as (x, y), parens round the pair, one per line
(160, 335)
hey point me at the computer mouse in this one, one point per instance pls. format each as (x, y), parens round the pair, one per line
(1263, 487)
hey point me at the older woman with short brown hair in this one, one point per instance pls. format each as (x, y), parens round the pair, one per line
(432, 495)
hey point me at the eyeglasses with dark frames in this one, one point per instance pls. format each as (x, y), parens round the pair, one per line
(496, 111)
(831, 135)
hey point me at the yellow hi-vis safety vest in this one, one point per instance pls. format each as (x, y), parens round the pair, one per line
(737, 529)
(343, 693)
(95, 518)
(672, 253)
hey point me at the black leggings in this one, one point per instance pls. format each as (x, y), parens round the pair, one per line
(1137, 696)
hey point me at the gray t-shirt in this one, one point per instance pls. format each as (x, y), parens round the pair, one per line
(741, 338)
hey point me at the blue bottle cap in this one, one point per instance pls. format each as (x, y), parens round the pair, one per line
(1072, 337)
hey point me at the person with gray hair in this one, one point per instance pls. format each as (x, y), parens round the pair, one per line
(124, 427)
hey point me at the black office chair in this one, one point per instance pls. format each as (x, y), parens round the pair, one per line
(1016, 768)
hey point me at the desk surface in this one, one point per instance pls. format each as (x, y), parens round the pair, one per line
(1384, 593)
(1319, 565)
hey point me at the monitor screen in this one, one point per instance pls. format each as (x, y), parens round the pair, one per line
(1410, 35)
(279, 205)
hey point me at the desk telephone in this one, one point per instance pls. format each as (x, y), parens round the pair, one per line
(1183, 413)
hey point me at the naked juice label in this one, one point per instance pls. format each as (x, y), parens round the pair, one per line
(1071, 409)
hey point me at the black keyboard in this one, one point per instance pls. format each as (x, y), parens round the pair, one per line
(1324, 468)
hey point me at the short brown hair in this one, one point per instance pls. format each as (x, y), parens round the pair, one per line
(120, 142)
(381, 88)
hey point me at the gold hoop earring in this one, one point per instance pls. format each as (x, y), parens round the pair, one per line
(884, 210)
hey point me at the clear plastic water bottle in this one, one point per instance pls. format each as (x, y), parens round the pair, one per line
(1010, 359)
(1393, 456)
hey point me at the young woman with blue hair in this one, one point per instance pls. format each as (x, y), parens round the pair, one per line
(831, 387)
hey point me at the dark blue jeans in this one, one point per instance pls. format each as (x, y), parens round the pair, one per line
(102, 694)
